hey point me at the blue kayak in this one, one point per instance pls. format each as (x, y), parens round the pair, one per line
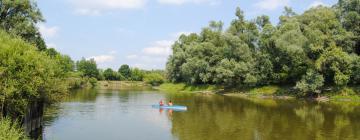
(174, 107)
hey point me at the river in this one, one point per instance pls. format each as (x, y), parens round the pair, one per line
(128, 115)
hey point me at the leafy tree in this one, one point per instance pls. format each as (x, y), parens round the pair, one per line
(27, 76)
(317, 48)
(311, 82)
(154, 79)
(350, 17)
(93, 81)
(65, 62)
(137, 74)
(263, 20)
(355, 69)
(19, 17)
(335, 64)
(125, 71)
(111, 75)
(87, 67)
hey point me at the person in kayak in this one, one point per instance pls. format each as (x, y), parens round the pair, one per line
(170, 103)
(161, 103)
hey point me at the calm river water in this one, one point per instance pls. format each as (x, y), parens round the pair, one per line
(128, 115)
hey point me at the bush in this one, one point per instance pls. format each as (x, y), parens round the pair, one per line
(11, 130)
(310, 83)
(137, 74)
(154, 79)
(27, 75)
(93, 81)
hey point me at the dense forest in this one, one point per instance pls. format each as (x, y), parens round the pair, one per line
(310, 51)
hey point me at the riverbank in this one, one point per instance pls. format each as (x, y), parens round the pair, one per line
(181, 87)
(271, 91)
(121, 84)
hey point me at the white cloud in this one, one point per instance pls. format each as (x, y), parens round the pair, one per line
(156, 54)
(96, 7)
(271, 4)
(105, 58)
(181, 2)
(48, 32)
(159, 48)
(317, 3)
(102, 58)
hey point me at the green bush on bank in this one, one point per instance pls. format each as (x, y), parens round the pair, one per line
(27, 75)
(154, 79)
(10, 130)
(182, 87)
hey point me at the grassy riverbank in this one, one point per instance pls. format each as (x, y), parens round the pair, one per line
(272, 91)
(121, 84)
(181, 87)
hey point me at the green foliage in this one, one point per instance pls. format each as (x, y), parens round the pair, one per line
(317, 48)
(310, 83)
(87, 67)
(19, 17)
(350, 17)
(125, 71)
(27, 75)
(181, 87)
(76, 82)
(136, 74)
(336, 66)
(355, 75)
(10, 130)
(111, 75)
(154, 79)
(92, 81)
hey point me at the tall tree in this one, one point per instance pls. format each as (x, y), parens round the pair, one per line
(109, 74)
(87, 67)
(19, 17)
(350, 17)
(125, 71)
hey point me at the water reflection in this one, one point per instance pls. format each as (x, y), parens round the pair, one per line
(127, 114)
(220, 117)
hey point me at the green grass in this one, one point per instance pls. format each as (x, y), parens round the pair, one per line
(344, 94)
(181, 87)
(271, 91)
(121, 84)
(265, 90)
(11, 130)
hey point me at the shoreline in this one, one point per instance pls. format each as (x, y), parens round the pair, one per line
(121, 84)
(346, 94)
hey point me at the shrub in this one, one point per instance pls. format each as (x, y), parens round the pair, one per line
(154, 79)
(310, 83)
(27, 75)
(11, 130)
(93, 81)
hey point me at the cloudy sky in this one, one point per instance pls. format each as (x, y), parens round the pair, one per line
(140, 32)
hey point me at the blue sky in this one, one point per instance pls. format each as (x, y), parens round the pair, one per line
(140, 32)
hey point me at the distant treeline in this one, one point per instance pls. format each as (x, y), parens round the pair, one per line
(125, 73)
(310, 51)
